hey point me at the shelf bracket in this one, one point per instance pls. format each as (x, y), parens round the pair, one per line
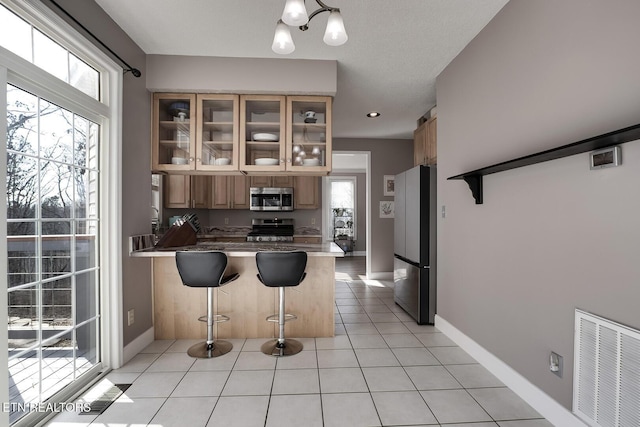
(475, 185)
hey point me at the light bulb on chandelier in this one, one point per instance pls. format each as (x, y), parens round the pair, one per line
(295, 14)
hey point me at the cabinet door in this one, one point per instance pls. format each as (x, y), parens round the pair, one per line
(432, 142)
(262, 130)
(173, 135)
(177, 191)
(282, 181)
(240, 193)
(218, 132)
(219, 192)
(419, 145)
(261, 181)
(305, 192)
(309, 134)
(200, 190)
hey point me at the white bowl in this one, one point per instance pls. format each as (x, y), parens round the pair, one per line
(271, 137)
(222, 161)
(266, 161)
(311, 162)
(179, 161)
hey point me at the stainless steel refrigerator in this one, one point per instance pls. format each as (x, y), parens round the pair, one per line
(414, 266)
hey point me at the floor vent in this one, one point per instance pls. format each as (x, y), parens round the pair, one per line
(606, 379)
(99, 405)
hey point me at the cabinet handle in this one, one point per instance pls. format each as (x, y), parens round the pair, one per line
(199, 160)
(289, 160)
(191, 159)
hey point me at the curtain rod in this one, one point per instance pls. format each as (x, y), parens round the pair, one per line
(134, 71)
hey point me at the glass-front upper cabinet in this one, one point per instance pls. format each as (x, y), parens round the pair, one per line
(262, 133)
(173, 132)
(309, 134)
(218, 132)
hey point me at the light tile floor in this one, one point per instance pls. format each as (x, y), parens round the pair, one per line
(381, 369)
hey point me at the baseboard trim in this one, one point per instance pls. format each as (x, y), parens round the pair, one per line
(381, 275)
(549, 408)
(137, 345)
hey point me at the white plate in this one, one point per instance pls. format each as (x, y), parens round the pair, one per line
(266, 161)
(179, 161)
(311, 162)
(222, 161)
(271, 137)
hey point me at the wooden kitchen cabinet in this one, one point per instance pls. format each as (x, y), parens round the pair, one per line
(195, 133)
(229, 192)
(305, 192)
(262, 133)
(308, 145)
(186, 192)
(272, 181)
(425, 143)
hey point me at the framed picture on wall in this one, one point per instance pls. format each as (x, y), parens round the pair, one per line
(387, 209)
(389, 182)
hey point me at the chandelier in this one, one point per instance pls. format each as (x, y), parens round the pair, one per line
(295, 15)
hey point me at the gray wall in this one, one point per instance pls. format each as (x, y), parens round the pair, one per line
(553, 236)
(136, 159)
(388, 157)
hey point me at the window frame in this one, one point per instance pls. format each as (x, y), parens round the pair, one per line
(107, 112)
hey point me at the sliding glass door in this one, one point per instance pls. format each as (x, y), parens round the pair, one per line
(52, 246)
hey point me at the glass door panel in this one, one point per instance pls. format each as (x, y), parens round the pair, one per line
(173, 133)
(262, 133)
(309, 135)
(218, 132)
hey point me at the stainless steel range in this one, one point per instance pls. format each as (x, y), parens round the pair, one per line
(271, 230)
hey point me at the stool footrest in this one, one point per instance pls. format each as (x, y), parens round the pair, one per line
(287, 317)
(218, 318)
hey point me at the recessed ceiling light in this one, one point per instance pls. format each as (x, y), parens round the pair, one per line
(373, 114)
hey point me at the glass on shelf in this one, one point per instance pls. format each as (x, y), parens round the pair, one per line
(308, 132)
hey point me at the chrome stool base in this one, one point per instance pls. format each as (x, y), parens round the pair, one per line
(202, 350)
(288, 348)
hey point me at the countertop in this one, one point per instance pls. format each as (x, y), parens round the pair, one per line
(246, 249)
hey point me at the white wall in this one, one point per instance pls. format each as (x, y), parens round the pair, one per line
(553, 236)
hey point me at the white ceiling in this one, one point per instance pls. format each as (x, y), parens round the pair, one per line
(396, 48)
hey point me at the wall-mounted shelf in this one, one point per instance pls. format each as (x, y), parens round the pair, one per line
(474, 178)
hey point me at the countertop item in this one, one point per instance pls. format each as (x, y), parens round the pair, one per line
(266, 161)
(267, 137)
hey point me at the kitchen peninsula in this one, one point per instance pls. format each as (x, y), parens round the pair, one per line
(246, 301)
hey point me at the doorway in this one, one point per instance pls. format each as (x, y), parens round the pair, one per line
(346, 217)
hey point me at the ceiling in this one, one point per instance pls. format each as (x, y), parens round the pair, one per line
(389, 64)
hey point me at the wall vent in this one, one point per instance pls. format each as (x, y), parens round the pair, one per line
(606, 377)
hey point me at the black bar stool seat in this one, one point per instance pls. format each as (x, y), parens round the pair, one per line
(281, 270)
(205, 269)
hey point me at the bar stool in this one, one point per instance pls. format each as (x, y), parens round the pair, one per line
(206, 270)
(281, 270)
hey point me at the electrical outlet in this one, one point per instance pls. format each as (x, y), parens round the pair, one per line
(226, 221)
(444, 211)
(313, 221)
(130, 317)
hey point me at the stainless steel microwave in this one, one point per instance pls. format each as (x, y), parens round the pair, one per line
(271, 199)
